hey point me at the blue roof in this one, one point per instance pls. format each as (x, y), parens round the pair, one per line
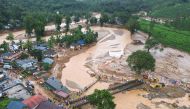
(56, 84)
(26, 61)
(81, 42)
(7, 54)
(48, 60)
(16, 105)
(42, 47)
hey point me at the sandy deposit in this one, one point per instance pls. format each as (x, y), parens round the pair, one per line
(76, 71)
(171, 64)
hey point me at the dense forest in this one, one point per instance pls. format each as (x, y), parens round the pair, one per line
(13, 11)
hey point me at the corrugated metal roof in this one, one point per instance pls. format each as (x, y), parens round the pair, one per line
(16, 105)
(56, 84)
(61, 94)
(47, 105)
(34, 101)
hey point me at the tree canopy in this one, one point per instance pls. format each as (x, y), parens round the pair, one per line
(58, 21)
(141, 61)
(102, 99)
(132, 24)
(150, 43)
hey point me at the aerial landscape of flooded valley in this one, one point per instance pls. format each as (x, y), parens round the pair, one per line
(94, 54)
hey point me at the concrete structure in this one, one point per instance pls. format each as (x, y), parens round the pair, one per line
(116, 54)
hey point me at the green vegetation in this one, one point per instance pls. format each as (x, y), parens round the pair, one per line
(102, 99)
(58, 21)
(28, 45)
(25, 73)
(132, 25)
(141, 61)
(51, 42)
(172, 10)
(151, 43)
(104, 19)
(77, 35)
(5, 46)
(4, 102)
(68, 21)
(168, 36)
(181, 23)
(10, 37)
(24, 56)
(46, 66)
(93, 21)
(13, 12)
(37, 54)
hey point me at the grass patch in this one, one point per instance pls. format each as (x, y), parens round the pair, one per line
(4, 102)
(169, 36)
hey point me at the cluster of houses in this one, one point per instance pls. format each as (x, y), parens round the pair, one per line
(15, 89)
(14, 54)
(34, 102)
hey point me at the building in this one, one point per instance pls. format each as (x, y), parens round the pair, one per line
(14, 47)
(48, 60)
(50, 53)
(7, 66)
(96, 15)
(16, 90)
(61, 94)
(56, 85)
(34, 101)
(16, 105)
(10, 56)
(48, 105)
(27, 64)
(42, 47)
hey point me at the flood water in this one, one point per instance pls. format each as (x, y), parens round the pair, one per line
(75, 71)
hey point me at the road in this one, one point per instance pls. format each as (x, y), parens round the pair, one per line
(20, 35)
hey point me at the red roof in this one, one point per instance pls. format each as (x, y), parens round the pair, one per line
(34, 101)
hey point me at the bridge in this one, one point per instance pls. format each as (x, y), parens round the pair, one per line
(113, 90)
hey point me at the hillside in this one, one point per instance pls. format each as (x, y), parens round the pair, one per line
(13, 11)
